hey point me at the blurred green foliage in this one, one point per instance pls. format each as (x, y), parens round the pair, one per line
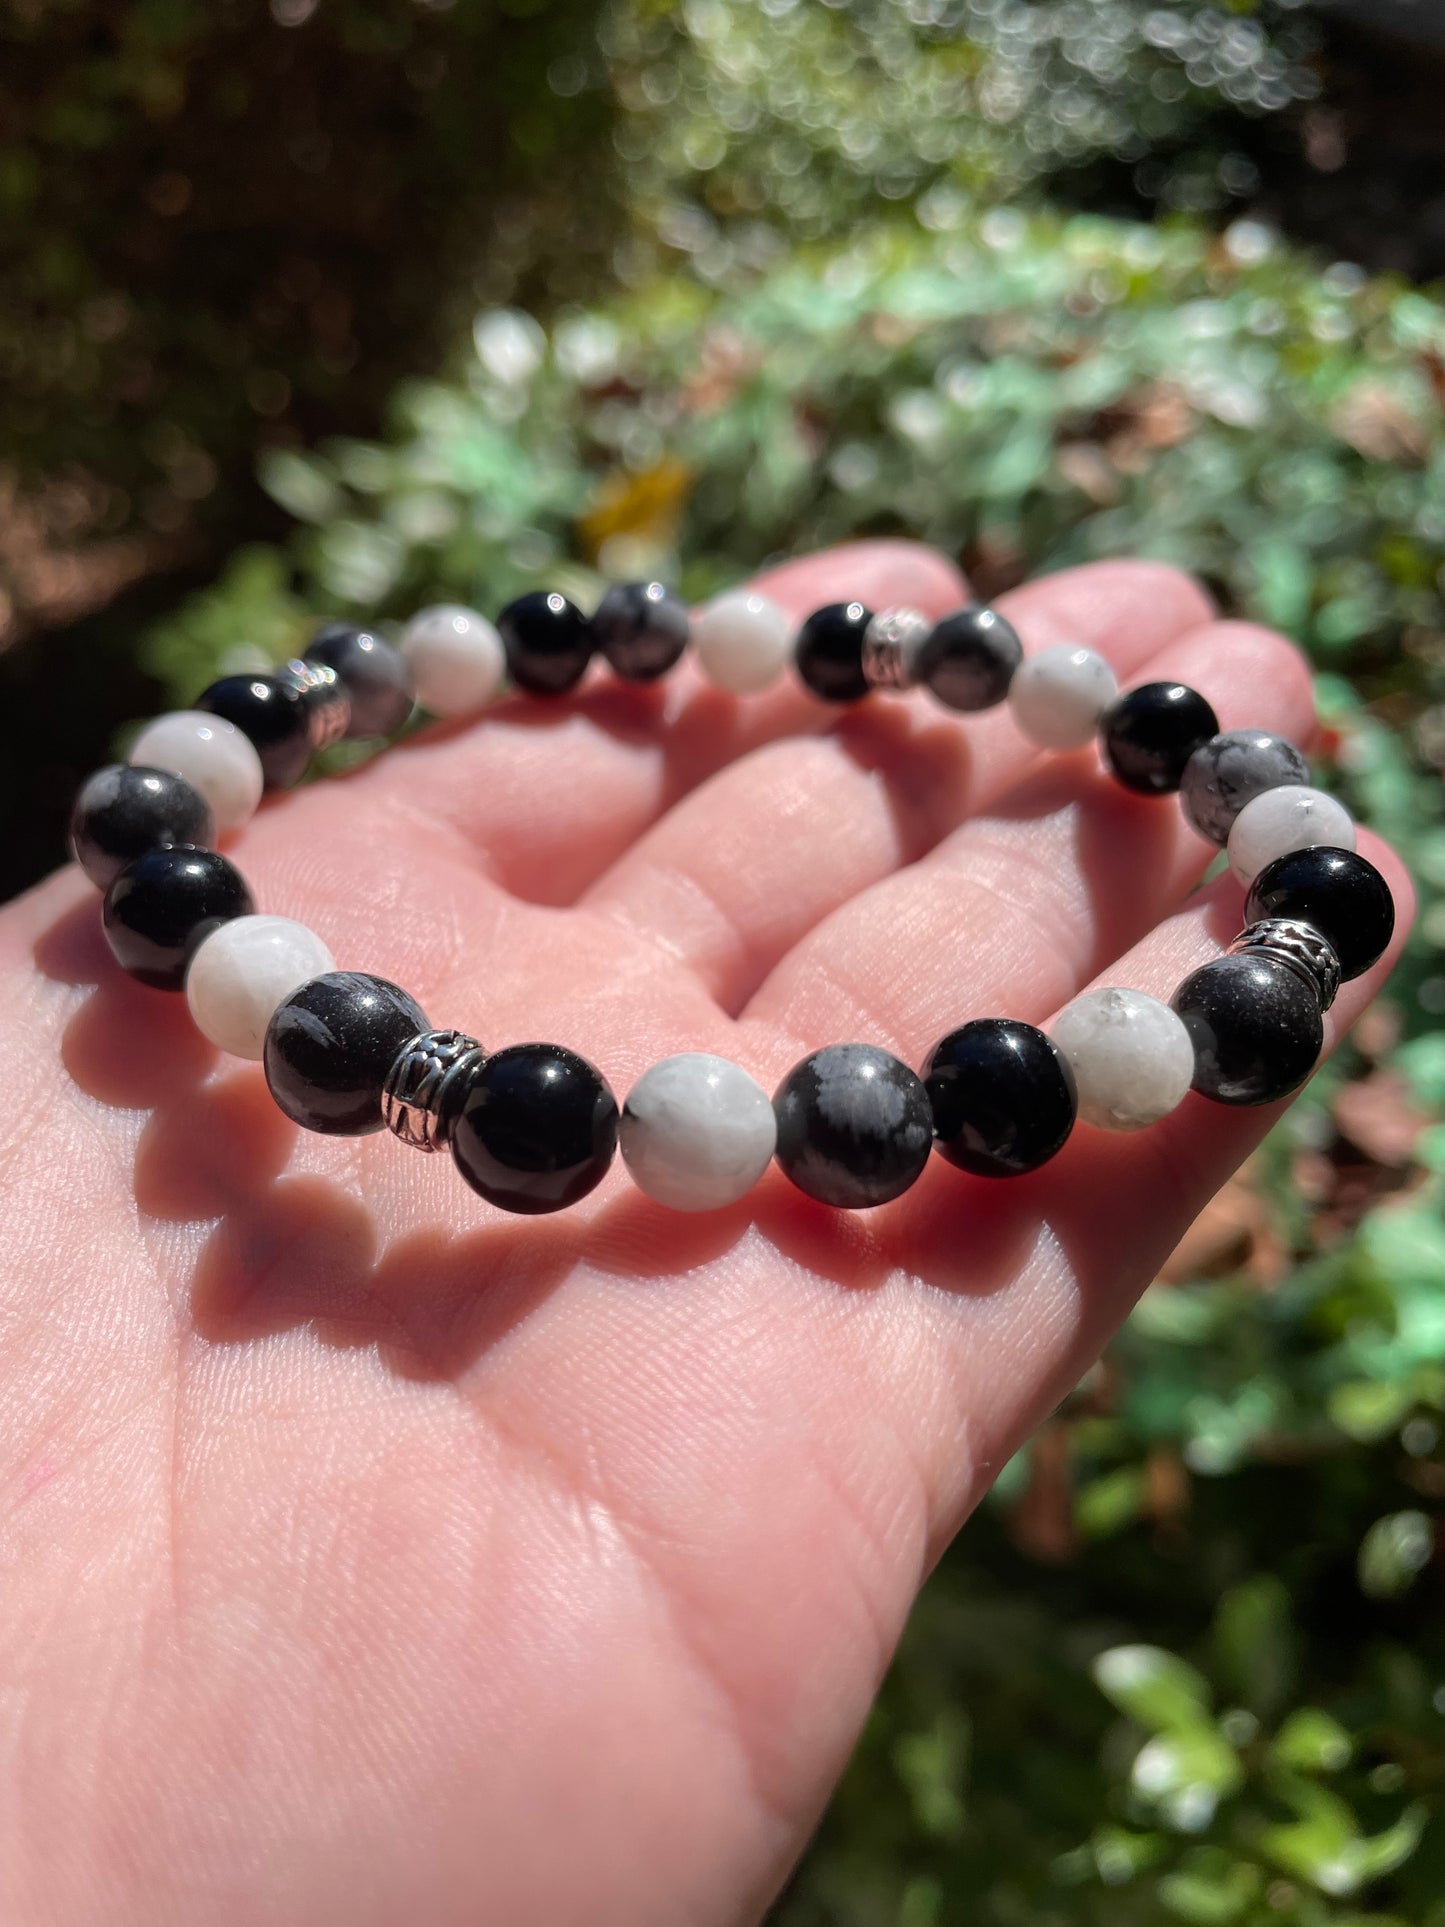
(1188, 1666)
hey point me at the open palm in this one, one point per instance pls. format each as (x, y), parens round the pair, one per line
(372, 1557)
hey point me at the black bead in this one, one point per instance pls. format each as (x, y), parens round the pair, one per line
(548, 640)
(164, 904)
(1003, 1097)
(125, 809)
(642, 628)
(969, 658)
(829, 651)
(854, 1126)
(536, 1129)
(273, 714)
(376, 676)
(1255, 1026)
(1342, 894)
(1150, 734)
(330, 1046)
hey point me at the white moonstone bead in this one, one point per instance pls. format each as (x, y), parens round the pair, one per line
(1059, 696)
(743, 642)
(456, 659)
(212, 755)
(1291, 818)
(1131, 1056)
(697, 1132)
(243, 971)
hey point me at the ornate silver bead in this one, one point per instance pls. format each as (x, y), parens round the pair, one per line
(426, 1085)
(328, 707)
(1300, 945)
(891, 643)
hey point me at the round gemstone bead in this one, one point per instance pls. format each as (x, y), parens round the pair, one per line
(271, 714)
(536, 1129)
(742, 642)
(1294, 818)
(1151, 732)
(828, 652)
(376, 678)
(969, 659)
(697, 1132)
(163, 905)
(641, 628)
(330, 1046)
(212, 755)
(1255, 1026)
(1229, 771)
(242, 971)
(1339, 892)
(1060, 696)
(548, 642)
(1131, 1056)
(1002, 1095)
(123, 811)
(854, 1126)
(456, 659)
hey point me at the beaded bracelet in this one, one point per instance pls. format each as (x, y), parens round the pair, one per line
(533, 1127)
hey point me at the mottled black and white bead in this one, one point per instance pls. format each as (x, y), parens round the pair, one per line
(1150, 733)
(969, 659)
(377, 680)
(1340, 892)
(828, 651)
(1230, 770)
(642, 629)
(536, 1128)
(271, 714)
(331, 1046)
(548, 640)
(161, 907)
(854, 1126)
(1255, 1025)
(125, 810)
(1003, 1097)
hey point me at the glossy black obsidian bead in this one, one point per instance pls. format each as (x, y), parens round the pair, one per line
(969, 658)
(273, 714)
(164, 904)
(548, 640)
(377, 679)
(642, 628)
(829, 651)
(536, 1129)
(1338, 891)
(124, 810)
(854, 1126)
(1003, 1097)
(330, 1046)
(1150, 733)
(1255, 1025)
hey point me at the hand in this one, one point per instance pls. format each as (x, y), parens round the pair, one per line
(373, 1557)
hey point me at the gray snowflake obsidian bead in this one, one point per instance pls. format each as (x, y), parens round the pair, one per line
(1230, 770)
(1308, 954)
(891, 644)
(426, 1086)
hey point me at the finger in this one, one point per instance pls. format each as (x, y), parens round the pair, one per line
(1114, 1205)
(733, 876)
(543, 794)
(1012, 912)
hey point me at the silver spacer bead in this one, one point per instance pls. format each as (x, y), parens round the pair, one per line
(425, 1086)
(891, 643)
(328, 706)
(1308, 954)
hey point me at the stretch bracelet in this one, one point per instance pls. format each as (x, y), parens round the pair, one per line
(534, 1127)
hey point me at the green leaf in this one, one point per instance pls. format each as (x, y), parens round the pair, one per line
(1393, 1553)
(1311, 1742)
(1255, 1643)
(1159, 1690)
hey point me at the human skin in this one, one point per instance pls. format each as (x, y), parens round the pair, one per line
(370, 1556)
